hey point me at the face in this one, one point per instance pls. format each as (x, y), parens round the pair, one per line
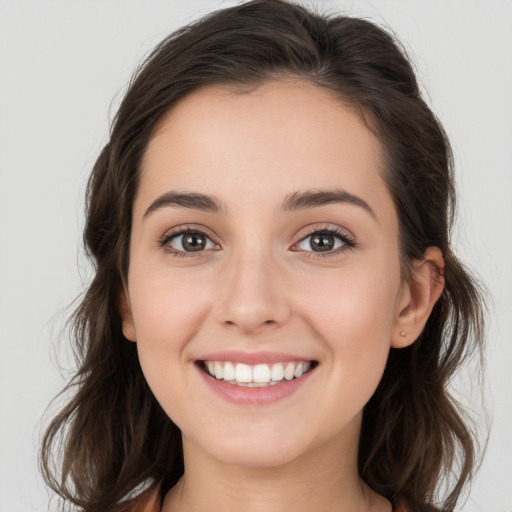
(264, 250)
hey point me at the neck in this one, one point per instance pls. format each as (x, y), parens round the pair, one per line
(325, 478)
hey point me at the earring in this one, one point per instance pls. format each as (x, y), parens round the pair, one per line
(402, 333)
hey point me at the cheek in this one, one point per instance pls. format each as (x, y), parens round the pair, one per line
(164, 304)
(353, 317)
(167, 314)
(352, 303)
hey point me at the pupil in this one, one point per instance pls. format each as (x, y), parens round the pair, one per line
(193, 242)
(322, 242)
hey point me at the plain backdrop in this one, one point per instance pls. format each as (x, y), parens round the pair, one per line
(63, 68)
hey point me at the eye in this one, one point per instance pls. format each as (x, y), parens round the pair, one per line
(188, 241)
(326, 241)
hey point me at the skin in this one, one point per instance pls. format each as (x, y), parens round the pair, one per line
(259, 286)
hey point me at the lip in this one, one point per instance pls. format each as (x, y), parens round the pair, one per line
(242, 395)
(253, 358)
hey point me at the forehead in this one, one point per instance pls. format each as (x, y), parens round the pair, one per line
(280, 137)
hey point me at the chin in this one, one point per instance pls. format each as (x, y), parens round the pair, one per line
(256, 457)
(260, 447)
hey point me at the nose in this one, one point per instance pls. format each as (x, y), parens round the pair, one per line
(252, 297)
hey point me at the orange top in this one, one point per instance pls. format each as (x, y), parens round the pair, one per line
(399, 506)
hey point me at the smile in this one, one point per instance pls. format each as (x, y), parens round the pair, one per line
(258, 375)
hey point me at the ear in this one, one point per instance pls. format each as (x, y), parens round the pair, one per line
(125, 310)
(417, 298)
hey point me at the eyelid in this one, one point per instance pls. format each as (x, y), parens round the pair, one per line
(183, 230)
(344, 235)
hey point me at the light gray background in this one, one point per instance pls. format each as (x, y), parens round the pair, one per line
(61, 65)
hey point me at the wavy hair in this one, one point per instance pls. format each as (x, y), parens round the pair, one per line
(112, 439)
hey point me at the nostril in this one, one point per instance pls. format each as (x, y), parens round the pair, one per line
(249, 327)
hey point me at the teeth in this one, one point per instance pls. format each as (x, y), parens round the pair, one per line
(229, 371)
(243, 373)
(289, 371)
(277, 372)
(218, 370)
(259, 375)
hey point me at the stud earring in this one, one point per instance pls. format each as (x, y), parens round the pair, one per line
(402, 333)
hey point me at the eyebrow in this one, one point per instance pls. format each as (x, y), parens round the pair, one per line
(193, 200)
(315, 198)
(293, 202)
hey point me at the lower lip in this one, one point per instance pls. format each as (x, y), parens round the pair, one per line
(243, 395)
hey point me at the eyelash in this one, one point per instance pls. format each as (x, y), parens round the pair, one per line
(168, 237)
(346, 239)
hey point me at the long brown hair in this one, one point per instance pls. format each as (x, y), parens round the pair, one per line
(113, 439)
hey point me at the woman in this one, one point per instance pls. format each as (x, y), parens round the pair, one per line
(276, 308)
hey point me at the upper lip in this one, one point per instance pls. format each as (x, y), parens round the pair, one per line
(252, 358)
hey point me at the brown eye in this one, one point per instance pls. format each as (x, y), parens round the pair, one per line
(322, 241)
(193, 242)
(190, 241)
